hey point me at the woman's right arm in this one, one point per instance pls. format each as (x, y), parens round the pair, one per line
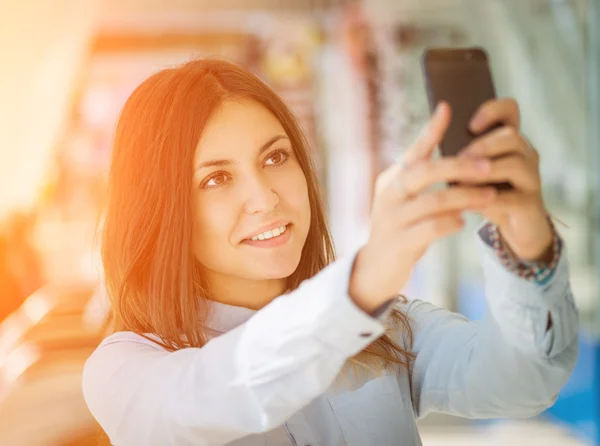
(246, 381)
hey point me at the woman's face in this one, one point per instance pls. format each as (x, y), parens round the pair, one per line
(248, 184)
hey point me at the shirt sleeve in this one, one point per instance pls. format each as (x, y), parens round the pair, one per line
(246, 381)
(512, 363)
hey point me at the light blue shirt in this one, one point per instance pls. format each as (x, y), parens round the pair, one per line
(279, 376)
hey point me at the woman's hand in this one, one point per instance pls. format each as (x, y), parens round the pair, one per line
(520, 214)
(407, 217)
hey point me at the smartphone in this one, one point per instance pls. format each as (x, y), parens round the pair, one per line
(461, 77)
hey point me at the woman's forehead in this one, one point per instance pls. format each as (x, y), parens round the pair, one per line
(237, 126)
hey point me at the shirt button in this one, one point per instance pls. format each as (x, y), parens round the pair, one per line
(366, 334)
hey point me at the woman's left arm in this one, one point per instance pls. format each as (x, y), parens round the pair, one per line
(515, 361)
(512, 363)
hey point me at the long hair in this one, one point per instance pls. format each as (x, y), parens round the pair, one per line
(153, 280)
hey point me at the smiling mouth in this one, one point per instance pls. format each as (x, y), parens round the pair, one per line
(271, 239)
(273, 233)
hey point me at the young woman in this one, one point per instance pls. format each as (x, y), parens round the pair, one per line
(233, 324)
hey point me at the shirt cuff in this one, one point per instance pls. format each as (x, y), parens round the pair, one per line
(534, 271)
(340, 323)
(383, 311)
(504, 279)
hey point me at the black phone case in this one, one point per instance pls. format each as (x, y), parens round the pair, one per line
(462, 78)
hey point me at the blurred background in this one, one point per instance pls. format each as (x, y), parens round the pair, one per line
(351, 73)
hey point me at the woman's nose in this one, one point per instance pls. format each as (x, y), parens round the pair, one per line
(260, 197)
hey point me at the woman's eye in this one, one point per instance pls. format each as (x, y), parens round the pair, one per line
(215, 180)
(278, 157)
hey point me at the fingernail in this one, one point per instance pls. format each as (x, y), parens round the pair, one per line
(438, 109)
(476, 123)
(465, 154)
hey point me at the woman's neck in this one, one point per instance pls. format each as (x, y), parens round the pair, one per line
(253, 294)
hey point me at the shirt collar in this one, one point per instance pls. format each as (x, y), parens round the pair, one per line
(224, 317)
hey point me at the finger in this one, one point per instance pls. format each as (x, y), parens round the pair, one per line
(389, 178)
(530, 151)
(503, 141)
(431, 135)
(496, 111)
(427, 231)
(515, 170)
(510, 199)
(424, 174)
(453, 199)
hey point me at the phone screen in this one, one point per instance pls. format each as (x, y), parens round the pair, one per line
(462, 78)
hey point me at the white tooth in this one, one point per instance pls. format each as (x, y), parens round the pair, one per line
(270, 234)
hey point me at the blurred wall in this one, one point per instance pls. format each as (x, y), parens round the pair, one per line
(42, 45)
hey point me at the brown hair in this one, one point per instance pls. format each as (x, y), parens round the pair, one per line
(154, 282)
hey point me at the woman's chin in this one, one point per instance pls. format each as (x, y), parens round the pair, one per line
(277, 274)
(277, 270)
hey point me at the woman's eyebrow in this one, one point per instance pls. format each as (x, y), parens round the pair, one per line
(262, 148)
